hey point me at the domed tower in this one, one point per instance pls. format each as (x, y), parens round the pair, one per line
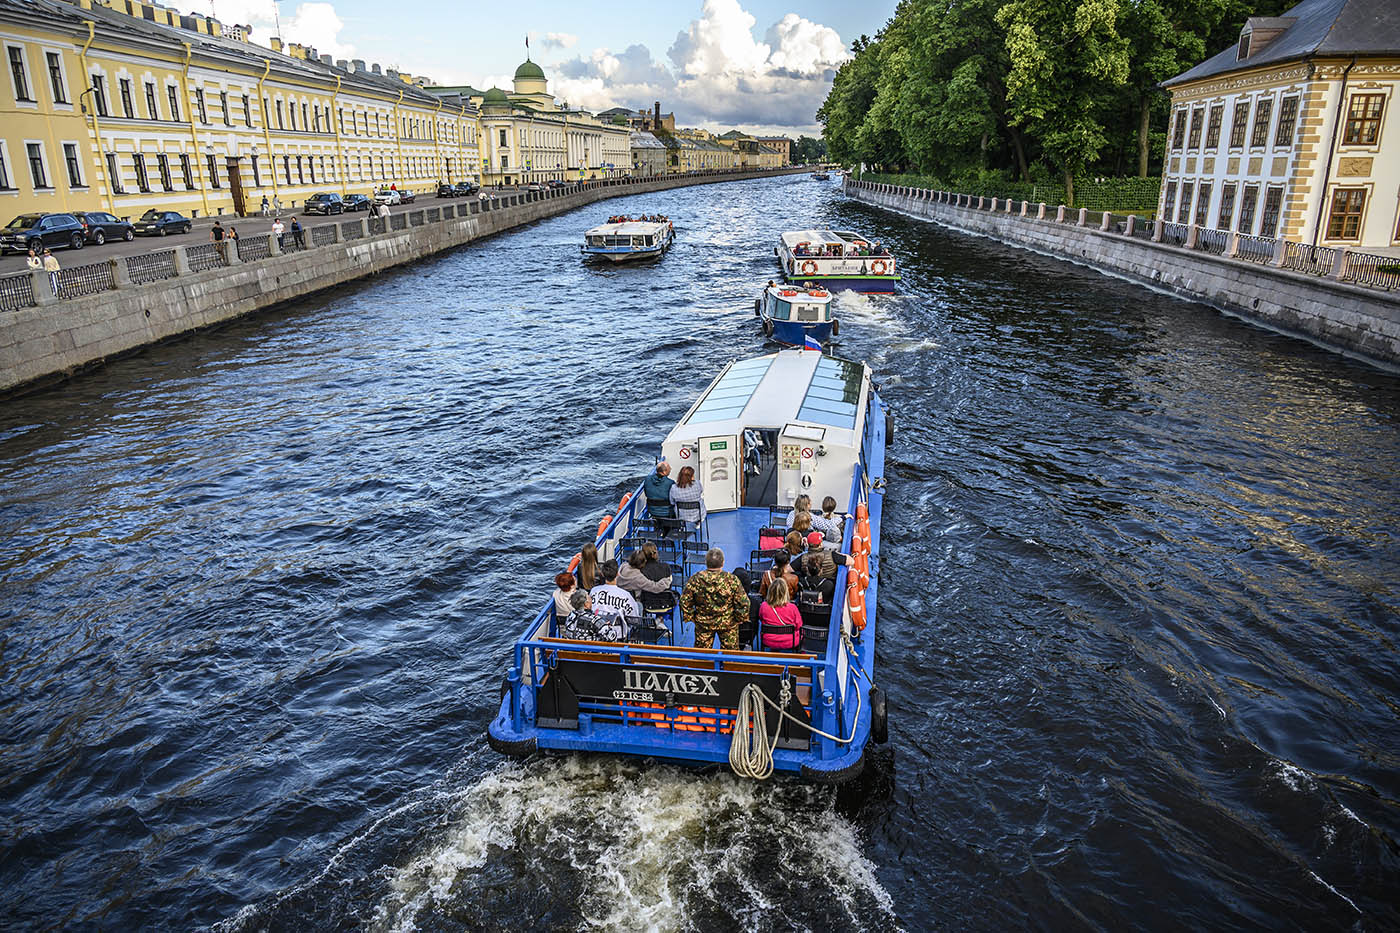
(495, 101)
(531, 85)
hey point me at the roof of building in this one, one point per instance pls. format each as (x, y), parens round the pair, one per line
(496, 96)
(529, 69)
(1312, 28)
(646, 141)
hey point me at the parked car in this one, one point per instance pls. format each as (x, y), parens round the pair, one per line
(37, 231)
(556, 183)
(447, 191)
(100, 226)
(407, 197)
(534, 186)
(466, 189)
(357, 202)
(324, 203)
(386, 196)
(160, 223)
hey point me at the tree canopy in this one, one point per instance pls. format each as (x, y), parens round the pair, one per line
(962, 89)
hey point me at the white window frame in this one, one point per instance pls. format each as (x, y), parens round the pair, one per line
(44, 161)
(33, 102)
(13, 189)
(83, 183)
(66, 105)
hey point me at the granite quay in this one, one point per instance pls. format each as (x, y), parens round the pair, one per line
(50, 330)
(1348, 301)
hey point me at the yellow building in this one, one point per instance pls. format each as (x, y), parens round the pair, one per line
(128, 106)
(1292, 131)
(527, 137)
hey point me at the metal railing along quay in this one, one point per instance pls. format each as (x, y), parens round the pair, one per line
(32, 288)
(1339, 264)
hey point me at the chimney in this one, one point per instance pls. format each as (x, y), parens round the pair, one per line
(359, 64)
(326, 59)
(276, 43)
(392, 72)
(375, 68)
(656, 115)
(342, 64)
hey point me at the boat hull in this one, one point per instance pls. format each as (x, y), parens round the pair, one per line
(793, 334)
(622, 255)
(870, 284)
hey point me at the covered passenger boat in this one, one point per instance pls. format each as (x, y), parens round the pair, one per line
(836, 259)
(766, 430)
(625, 238)
(798, 317)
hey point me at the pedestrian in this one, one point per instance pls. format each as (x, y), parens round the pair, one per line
(217, 233)
(276, 205)
(51, 267)
(277, 229)
(233, 233)
(265, 206)
(297, 234)
(34, 262)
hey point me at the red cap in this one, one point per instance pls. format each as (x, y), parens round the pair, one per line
(815, 539)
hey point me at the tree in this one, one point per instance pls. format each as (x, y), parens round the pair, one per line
(1066, 57)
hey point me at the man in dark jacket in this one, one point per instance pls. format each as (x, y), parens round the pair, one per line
(657, 489)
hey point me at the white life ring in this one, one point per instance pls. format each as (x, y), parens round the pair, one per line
(809, 267)
(877, 267)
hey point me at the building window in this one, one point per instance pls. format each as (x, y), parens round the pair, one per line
(301, 178)
(36, 165)
(1242, 51)
(1363, 120)
(257, 176)
(99, 95)
(311, 168)
(199, 105)
(1273, 204)
(340, 118)
(173, 94)
(1183, 209)
(4, 173)
(304, 122)
(1203, 204)
(1227, 207)
(1198, 117)
(213, 170)
(1239, 125)
(152, 112)
(223, 107)
(1247, 205)
(163, 165)
(142, 182)
(1287, 119)
(287, 168)
(1262, 113)
(279, 115)
(292, 114)
(19, 74)
(114, 173)
(70, 156)
(60, 93)
(187, 171)
(1344, 220)
(1217, 116)
(128, 109)
(266, 121)
(247, 111)
(504, 143)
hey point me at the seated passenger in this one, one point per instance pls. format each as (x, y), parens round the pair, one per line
(588, 566)
(688, 497)
(781, 570)
(794, 546)
(609, 599)
(801, 523)
(655, 569)
(779, 610)
(657, 490)
(827, 522)
(584, 623)
(817, 568)
(564, 584)
(632, 576)
(802, 503)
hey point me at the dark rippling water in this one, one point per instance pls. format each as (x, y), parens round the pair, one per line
(1139, 623)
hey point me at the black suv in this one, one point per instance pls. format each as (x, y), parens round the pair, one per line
(466, 189)
(325, 203)
(100, 226)
(357, 202)
(447, 191)
(38, 231)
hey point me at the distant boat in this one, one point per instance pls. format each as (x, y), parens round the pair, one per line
(797, 317)
(837, 259)
(821, 176)
(625, 238)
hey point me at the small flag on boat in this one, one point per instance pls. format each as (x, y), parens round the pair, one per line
(811, 343)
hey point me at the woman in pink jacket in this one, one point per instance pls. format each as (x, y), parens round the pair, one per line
(779, 620)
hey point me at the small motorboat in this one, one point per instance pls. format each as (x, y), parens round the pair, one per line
(797, 317)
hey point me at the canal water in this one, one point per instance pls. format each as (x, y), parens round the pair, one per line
(1138, 624)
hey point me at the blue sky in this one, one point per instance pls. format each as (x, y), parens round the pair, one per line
(760, 65)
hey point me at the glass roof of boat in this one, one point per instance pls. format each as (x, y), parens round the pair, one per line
(733, 391)
(833, 394)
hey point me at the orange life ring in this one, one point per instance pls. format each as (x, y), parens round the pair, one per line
(862, 511)
(878, 271)
(573, 564)
(817, 293)
(603, 525)
(855, 605)
(861, 565)
(809, 267)
(622, 503)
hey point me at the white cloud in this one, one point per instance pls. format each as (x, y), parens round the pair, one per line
(721, 76)
(558, 40)
(314, 23)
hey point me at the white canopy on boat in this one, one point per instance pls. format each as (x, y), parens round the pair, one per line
(630, 228)
(819, 237)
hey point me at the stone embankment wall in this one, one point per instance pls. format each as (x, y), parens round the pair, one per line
(119, 305)
(1361, 320)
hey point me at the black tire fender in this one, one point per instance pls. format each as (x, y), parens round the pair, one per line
(835, 328)
(767, 328)
(879, 716)
(756, 303)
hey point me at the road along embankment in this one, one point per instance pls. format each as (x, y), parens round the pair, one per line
(106, 309)
(1346, 301)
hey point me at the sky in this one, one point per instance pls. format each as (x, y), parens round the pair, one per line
(761, 66)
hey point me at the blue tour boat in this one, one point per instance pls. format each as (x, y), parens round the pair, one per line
(836, 259)
(797, 317)
(765, 430)
(625, 238)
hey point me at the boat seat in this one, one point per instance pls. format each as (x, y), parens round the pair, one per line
(814, 638)
(784, 629)
(648, 630)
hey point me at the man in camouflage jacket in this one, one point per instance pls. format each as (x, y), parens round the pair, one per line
(716, 602)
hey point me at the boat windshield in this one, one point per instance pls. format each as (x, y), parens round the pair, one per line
(808, 312)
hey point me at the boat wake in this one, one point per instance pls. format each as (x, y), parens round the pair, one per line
(598, 844)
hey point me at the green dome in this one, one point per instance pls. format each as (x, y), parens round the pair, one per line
(529, 69)
(496, 96)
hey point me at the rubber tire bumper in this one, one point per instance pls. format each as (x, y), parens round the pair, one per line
(848, 773)
(515, 748)
(879, 716)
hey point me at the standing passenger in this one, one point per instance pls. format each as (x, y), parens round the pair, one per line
(715, 602)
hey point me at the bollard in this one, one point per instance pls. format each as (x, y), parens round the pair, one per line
(1131, 226)
(1232, 244)
(121, 276)
(182, 262)
(1105, 221)
(1040, 211)
(230, 248)
(1192, 234)
(42, 287)
(1157, 229)
(994, 204)
(1060, 214)
(1025, 206)
(1339, 264)
(1280, 249)
(1083, 220)
(274, 247)
(1008, 205)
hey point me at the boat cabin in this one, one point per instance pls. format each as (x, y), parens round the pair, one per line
(802, 305)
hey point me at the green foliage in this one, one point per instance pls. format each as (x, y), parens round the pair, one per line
(1022, 88)
(1119, 195)
(808, 149)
